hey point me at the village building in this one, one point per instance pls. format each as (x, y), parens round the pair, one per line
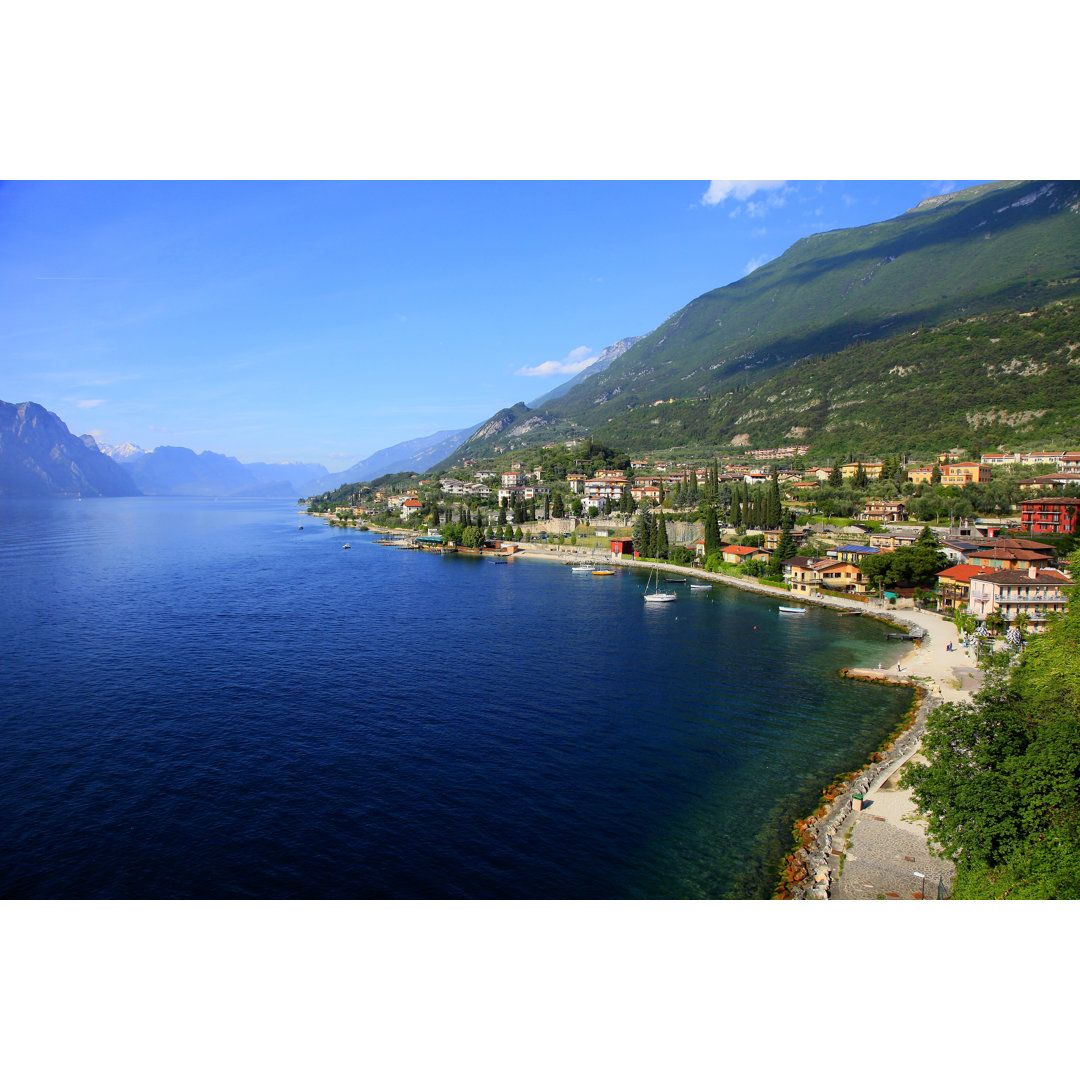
(954, 585)
(1036, 593)
(921, 474)
(772, 537)
(1054, 516)
(965, 472)
(739, 553)
(872, 469)
(884, 512)
(1050, 480)
(576, 482)
(998, 459)
(852, 553)
(600, 488)
(1009, 556)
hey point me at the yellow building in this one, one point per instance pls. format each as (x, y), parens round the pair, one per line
(965, 472)
(871, 468)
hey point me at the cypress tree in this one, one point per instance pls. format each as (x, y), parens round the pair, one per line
(712, 531)
(772, 518)
(662, 550)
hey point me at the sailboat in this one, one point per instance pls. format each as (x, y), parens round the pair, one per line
(656, 596)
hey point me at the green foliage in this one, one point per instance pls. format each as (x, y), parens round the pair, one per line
(1001, 784)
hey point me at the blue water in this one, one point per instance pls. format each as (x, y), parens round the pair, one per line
(200, 700)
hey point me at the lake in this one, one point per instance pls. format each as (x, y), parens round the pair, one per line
(198, 699)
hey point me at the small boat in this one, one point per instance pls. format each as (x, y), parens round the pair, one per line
(675, 580)
(793, 610)
(693, 586)
(581, 570)
(344, 546)
(300, 527)
(656, 596)
(603, 573)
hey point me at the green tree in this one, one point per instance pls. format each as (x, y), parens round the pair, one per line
(836, 477)
(712, 531)
(643, 528)
(661, 544)
(557, 508)
(472, 537)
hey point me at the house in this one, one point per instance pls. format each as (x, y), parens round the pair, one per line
(1041, 457)
(872, 469)
(838, 576)
(772, 537)
(410, 507)
(1036, 593)
(921, 474)
(1070, 461)
(884, 512)
(965, 472)
(998, 459)
(1050, 480)
(799, 573)
(954, 585)
(622, 547)
(1007, 556)
(957, 550)
(852, 553)
(1057, 516)
(648, 491)
(738, 553)
(605, 488)
(576, 482)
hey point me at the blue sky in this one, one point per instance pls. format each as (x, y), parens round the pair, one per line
(321, 321)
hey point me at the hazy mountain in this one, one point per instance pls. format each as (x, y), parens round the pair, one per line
(40, 456)
(123, 452)
(601, 363)
(176, 470)
(415, 455)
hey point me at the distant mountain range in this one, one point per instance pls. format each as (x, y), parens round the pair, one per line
(40, 456)
(990, 250)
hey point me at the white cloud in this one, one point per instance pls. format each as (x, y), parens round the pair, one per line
(89, 403)
(577, 360)
(719, 190)
(753, 264)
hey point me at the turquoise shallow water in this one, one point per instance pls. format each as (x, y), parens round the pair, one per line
(201, 700)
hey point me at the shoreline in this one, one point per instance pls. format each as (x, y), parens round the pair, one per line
(936, 672)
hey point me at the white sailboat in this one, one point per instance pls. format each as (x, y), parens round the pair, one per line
(656, 596)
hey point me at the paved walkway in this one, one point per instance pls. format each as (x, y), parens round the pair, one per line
(882, 851)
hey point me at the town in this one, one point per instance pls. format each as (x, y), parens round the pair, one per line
(983, 540)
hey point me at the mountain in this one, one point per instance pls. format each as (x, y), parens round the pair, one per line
(40, 456)
(299, 475)
(980, 382)
(989, 250)
(601, 363)
(415, 455)
(124, 452)
(176, 470)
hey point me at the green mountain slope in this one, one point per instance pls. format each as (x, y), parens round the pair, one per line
(1007, 378)
(1000, 246)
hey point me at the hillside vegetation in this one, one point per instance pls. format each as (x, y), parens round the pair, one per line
(1004, 378)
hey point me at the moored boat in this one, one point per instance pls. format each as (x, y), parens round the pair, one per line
(656, 596)
(793, 610)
